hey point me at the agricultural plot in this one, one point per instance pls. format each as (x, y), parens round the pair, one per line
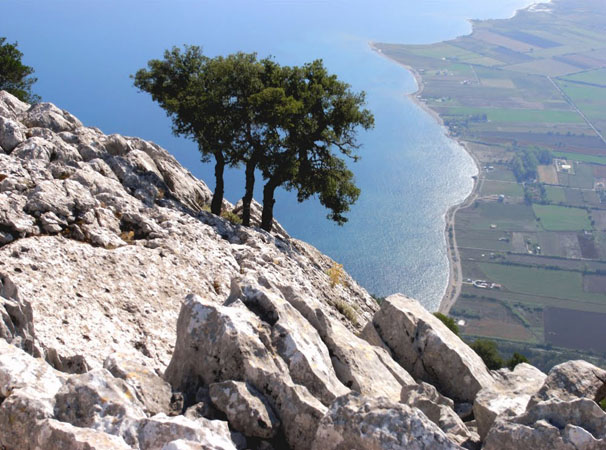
(557, 284)
(517, 115)
(507, 188)
(548, 175)
(561, 218)
(492, 317)
(561, 245)
(575, 329)
(487, 239)
(555, 194)
(582, 177)
(497, 216)
(595, 77)
(531, 83)
(594, 283)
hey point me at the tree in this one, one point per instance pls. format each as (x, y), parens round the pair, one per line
(516, 359)
(320, 126)
(288, 122)
(487, 350)
(448, 321)
(204, 98)
(15, 77)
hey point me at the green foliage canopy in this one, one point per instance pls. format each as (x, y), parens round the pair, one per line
(448, 321)
(15, 77)
(293, 124)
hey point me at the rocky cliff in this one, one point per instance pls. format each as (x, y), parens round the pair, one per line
(133, 318)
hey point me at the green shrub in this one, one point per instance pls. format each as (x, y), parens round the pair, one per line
(377, 299)
(232, 217)
(487, 350)
(448, 321)
(346, 309)
(516, 359)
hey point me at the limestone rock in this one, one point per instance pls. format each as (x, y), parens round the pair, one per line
(160, 432)
(360, 366)
(359, 422)
(16, 317)
(508, 396)
(51, 434)
(47, 115)
(439, 410)
(12, 133)
(571, 380)
(295, 339)
(152, 391)
(11, 106)
(27, 389)
(130, 239)
(98, 400)
(19, 370)
(428, 350)
(246, 409)
(552, 424)
(221, 343)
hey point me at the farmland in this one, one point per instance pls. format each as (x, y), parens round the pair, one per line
(527, 96)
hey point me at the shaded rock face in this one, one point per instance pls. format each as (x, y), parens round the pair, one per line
(428, 350)
(440, 410)
(246, 409)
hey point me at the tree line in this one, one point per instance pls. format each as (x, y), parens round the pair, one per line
(295, 125)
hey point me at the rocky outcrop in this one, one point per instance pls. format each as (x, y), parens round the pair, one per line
(109, 214)
(428, 350)
(246, 409)
(151, 390)
(440, 410)
(508, 396)
(132, 318)
(355, 421)
(554, 425)
(569, 381)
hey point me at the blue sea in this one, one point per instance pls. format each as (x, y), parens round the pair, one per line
(410, 173)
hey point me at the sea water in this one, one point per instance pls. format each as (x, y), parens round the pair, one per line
(410, 173)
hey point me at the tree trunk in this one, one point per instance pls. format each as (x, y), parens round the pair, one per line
(217, 202)
(248, 192)
(267, 217)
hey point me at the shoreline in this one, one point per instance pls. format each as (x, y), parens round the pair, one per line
(453, 286)
(455, 272)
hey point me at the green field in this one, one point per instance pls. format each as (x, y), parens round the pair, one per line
(559, 284)
(592, 76)
(493, 187)
(561, 218)
(593, 159)
(518, 115)
(555, 194)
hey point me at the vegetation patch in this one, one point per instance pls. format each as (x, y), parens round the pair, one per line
(336, 274)
(561, 218)
(346, 309)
